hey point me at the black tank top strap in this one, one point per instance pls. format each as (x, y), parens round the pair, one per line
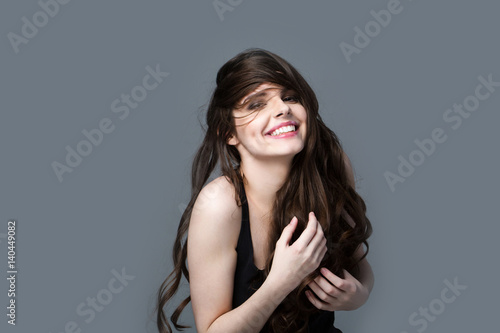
(245, 269)
(245, 239)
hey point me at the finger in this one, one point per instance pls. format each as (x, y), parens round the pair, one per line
(324, 250)
(318, 252)
(314, 301)
(349, 282)
(318, 244)
(326, 287)
(286, 235)
(334, 279)
(319, 237)
(320, 293)
(309, 233)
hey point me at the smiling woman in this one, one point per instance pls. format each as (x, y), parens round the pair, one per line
(277, 242)
(253, 135)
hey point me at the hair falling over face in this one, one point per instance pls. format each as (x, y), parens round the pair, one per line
(317, 182)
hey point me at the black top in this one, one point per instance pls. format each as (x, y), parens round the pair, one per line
(248, 278)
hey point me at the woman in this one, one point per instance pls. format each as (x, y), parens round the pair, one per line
(275, 244)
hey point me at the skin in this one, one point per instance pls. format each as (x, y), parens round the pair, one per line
(216, 220)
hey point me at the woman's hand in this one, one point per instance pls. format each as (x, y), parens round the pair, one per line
(292, 263)
(332, 293)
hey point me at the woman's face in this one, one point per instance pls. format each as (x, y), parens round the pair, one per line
(271, 125)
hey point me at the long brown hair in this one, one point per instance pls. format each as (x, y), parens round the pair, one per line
(317, 182)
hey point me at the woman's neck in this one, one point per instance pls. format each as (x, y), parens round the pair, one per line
(263, 179)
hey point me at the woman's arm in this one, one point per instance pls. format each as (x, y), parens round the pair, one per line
(212, 239)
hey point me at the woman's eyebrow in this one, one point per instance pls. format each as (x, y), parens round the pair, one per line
(255, 95)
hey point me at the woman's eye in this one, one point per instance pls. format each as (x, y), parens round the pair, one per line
(255, 105)
(291, 99)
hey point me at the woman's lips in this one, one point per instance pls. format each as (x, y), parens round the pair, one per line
(288, 123)
(283, 135)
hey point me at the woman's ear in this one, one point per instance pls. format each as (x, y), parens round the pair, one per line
(233, 141)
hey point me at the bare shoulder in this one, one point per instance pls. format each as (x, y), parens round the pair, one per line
(216, 196)
(215, 212)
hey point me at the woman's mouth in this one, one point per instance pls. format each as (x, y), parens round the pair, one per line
(284, 132)
(284, 129)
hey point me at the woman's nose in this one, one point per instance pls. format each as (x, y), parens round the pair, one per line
(282, 109)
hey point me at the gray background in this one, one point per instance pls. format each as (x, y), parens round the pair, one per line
(121, 206)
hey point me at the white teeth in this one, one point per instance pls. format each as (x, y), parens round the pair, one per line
(284, 129)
